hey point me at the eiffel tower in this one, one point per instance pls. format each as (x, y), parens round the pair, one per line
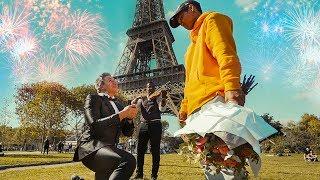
(148, 56)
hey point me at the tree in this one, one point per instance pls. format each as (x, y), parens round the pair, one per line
(274, 143)
(42, 107)
(310, 123)
(77, 97)
(296, 136)
(275, 124)
(5, 117)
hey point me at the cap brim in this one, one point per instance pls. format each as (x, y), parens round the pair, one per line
(174, 21)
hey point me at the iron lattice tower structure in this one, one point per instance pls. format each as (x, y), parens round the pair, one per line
(149, 56)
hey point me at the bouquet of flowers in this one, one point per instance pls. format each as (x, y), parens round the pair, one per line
(214, 154)
(224, 137)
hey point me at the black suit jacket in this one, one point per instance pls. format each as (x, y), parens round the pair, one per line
(102, 126)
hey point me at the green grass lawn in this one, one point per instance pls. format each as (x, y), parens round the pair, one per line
(173, 167)
(21, 159)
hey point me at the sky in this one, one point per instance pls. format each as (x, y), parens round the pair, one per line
(278, 41)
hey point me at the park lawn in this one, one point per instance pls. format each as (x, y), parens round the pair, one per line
(22, 159)
(289, 167)
(173, 167)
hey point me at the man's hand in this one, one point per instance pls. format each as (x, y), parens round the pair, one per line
(128, 112)
(182, 117)
(236, 96)
(135, 101)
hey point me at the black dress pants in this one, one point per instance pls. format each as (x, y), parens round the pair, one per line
(111, 163)
(149, 131)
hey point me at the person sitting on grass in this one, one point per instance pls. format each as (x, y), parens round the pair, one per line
(311, 157)
(306, 152)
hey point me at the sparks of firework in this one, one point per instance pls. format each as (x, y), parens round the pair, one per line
(84, 38)
(265, 27)
(48, 13)
(316, 83)
(299, 3)
(296, 73)
(300, 75)
(23, 71)
(263, 62)
(59, 19)
(264, 70)
(302, 26)
(268, 22)
(47, 69)
(313, 93)
(311, 55)
(25, 47)
(13, 23)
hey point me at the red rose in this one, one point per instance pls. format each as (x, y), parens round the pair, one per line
(201, 141)
(230, 163)
(245, 152)
(199, 149)
(223, 149)
(214, 149)
(214, 158)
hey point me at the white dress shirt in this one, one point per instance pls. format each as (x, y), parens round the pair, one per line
(116, 110)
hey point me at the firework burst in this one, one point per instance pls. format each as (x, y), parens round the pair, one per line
(85, 37)
(13, 23)
(26, 47)
(313, 92)
(311, 55)
(267, 23)
(303, 26)
(23, 71)
(47, 69)
(298, 74)
(263, 62)
(299, 3)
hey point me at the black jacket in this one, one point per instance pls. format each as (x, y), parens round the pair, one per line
(102, 126)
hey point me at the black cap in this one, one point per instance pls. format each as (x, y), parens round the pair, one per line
(173, 20)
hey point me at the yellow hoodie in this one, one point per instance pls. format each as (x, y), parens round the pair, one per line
(212, 64)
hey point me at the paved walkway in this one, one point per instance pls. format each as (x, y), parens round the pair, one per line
(39, 167)
(34, 152)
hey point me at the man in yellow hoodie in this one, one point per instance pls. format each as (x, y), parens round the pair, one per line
(212, 65)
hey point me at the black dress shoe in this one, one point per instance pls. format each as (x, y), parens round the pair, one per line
(76, 177)
(138, 176)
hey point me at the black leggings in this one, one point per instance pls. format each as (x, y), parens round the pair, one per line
(111, 163)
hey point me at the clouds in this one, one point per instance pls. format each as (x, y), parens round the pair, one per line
(247, 5)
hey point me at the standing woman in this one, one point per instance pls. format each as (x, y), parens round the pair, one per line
(150, 128)
(105, 120)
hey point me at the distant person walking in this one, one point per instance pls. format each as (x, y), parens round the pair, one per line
(70, 147)
(1, 150)
(46, 146)
(60, 146)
